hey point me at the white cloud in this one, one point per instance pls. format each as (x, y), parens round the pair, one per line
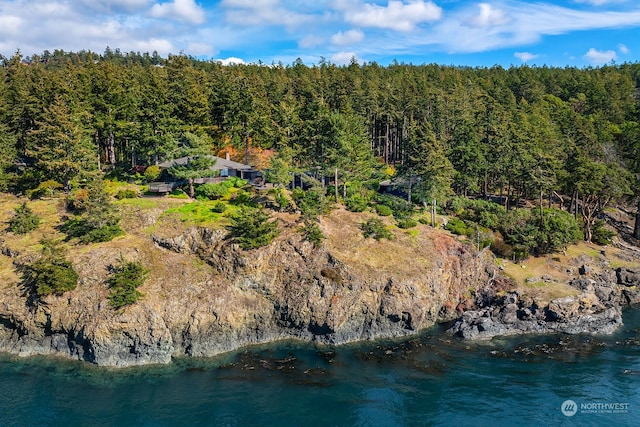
(10, 25)
(488, 17)
(623, 49)
(527, 24)
(600, 2)
(598, 57)
(346, 38)
(262, 12)
(107, 6)
(343, 58)
(310, 42)
(230, 61)
(525, 56)
(197, 48)
(179, 10)
(162, 46)
(397, 15)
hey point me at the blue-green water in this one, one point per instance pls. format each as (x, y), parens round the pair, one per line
(430, 380)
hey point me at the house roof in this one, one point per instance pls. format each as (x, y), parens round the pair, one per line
(221, 163)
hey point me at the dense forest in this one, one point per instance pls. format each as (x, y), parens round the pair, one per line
(563, 136)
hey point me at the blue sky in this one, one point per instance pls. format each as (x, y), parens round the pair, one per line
(451, 32)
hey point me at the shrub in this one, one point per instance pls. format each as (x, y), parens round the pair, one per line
(252, 229)
(457, 226)
(219, 207)
(54, 276)
(152, 173)
(236, 182)
(242, 197)
(24, 220)
(356, 203)
(178, 193)
(282, 201)
(77, 200)
(127, 194)
(311, 231)
(123, 284)
(601, 235)
(46, 188)
(383, 210)
(407, 223)
(86, 232)
(213, 191)
(52, 273)
(558, 229)
(311, 202)
(376, 229)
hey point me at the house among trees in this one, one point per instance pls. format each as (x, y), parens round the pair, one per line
(222, 168)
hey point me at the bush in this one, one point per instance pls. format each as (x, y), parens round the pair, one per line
(213, 191)
(123, 284)
(356, 203)
(152, 173)
(87, 233)
(52, 273)
(252, 229)
(488, 214)
(127, 194)
(457, 226)
(24, 220)
(376, 229)
(312, 233)
(77, 200)
(383, 210)
(407, 223)
(53, 277)
(312, 202)
(601, 235)
(242, 197)
(46, 188)
(282, 201)
(219, 207)
(558, 229)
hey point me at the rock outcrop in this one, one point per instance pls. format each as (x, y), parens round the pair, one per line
(595, 310)
(206, 296)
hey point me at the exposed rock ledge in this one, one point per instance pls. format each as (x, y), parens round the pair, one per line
(596, 310)
(205, 296)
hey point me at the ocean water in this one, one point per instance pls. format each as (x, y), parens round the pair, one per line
(432, 379)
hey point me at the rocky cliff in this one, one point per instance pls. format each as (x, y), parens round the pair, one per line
(595, 309)
(205, 295)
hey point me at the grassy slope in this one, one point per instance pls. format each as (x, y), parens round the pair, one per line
(143, 216)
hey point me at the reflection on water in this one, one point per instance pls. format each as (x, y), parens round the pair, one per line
(428, 380)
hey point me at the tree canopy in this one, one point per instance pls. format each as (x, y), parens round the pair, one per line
(520, 132)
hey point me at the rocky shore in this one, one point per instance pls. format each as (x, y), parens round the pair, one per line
(596, 309)
(205, 296)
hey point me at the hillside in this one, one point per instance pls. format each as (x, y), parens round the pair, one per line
(204, 295)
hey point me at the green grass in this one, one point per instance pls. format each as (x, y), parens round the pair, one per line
(201, 213)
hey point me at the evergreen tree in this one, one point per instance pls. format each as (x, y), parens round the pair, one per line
(251, 228)
(24, 220)
(198, 151)
(60, 144)
(426, 160)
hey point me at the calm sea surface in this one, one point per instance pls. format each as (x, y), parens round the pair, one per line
(429, 380)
